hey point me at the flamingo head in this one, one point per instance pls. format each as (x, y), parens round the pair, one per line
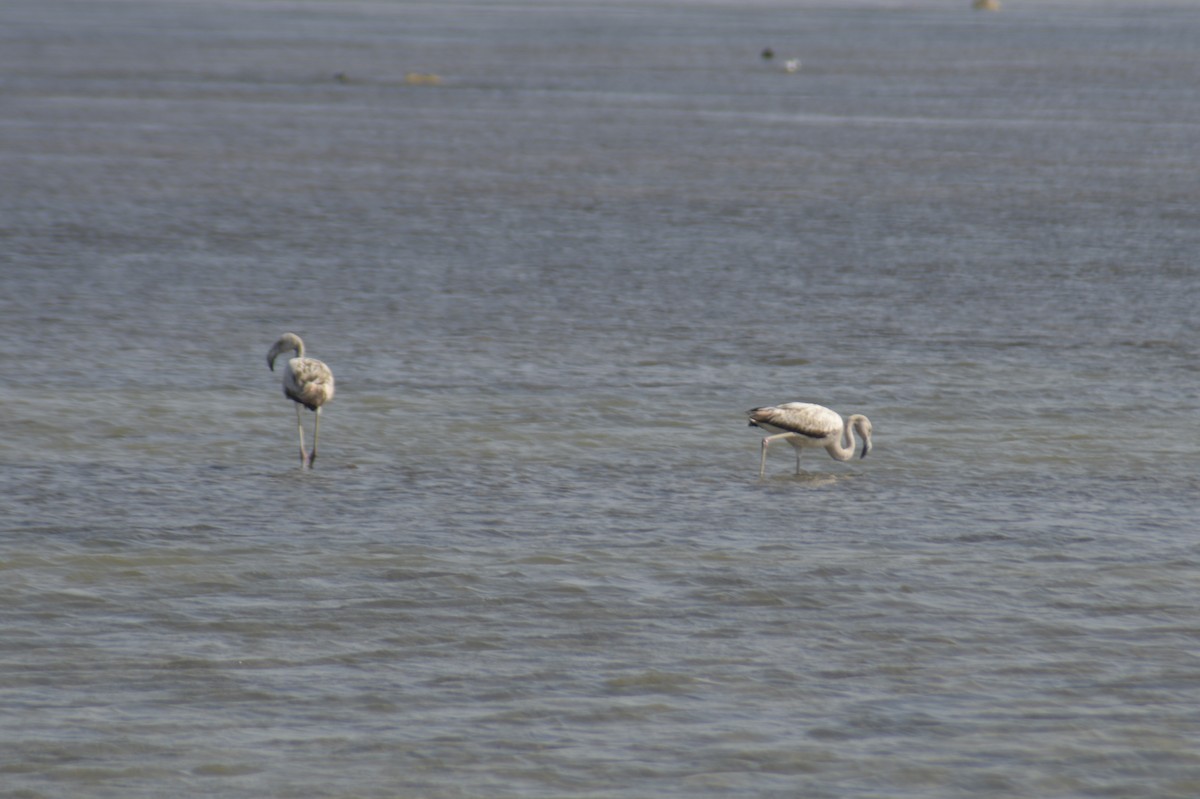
(288, 341)
(863, 426)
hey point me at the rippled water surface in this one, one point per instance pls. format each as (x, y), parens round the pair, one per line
(552, 252)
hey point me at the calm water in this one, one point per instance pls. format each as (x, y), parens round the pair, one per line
(534, 559)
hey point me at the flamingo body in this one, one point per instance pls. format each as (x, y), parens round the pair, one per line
(307, 382)
(805, 425)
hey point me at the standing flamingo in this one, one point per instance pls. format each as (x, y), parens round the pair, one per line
(805, 425)
(307, 382)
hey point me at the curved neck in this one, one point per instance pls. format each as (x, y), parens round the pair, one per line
(843, 448)
(286, 342)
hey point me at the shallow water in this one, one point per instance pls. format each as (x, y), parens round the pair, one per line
(534, 557)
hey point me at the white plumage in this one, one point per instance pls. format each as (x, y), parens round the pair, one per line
(805, 425)
(307, 382)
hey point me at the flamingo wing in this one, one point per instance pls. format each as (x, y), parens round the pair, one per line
(804, 418)
(309, 382)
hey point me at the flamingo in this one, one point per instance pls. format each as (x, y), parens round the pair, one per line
(805, 425)
(307, 382)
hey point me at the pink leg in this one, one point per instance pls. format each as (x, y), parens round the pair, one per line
(300, 430)
(312, 456)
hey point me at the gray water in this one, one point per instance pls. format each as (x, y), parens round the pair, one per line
(534, 558)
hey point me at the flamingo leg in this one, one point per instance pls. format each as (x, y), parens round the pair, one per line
(316, 429)
(300, 430)
(766, 442)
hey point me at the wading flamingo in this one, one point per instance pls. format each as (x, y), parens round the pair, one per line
(307, 382)
(804, 425)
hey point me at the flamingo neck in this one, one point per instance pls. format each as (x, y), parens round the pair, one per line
(843, 448)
